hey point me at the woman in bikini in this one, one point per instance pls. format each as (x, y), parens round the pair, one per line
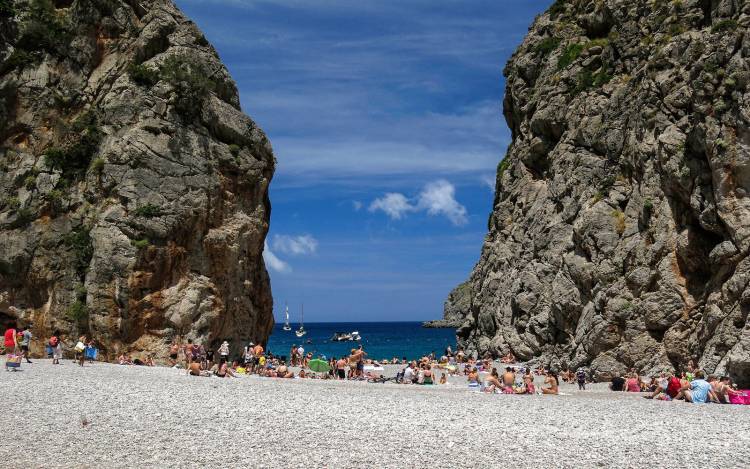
(552, 382)
(493, 382)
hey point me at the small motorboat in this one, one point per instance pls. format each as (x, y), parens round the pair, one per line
(341, 337)
(346, 337)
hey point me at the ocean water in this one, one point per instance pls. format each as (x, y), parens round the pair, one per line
(379, 339)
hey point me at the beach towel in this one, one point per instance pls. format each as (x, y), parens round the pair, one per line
(373, 368)
(91, 353)
(743, 399)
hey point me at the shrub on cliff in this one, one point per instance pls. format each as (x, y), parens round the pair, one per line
(74, 157)
(190, 82)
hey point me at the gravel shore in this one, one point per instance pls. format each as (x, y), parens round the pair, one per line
(125, 416)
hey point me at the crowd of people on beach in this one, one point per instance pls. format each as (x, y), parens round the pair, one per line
(690, 385)
(481, 375)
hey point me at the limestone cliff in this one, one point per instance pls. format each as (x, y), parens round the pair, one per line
(133, 190)
(620, 230)
(455, 310)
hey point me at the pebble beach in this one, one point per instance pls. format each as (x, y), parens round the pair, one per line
(105, 415)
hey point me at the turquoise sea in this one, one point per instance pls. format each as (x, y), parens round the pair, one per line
(380, 339)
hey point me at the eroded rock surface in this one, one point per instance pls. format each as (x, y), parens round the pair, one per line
(620, 231)
(455, 310)
(133, 189)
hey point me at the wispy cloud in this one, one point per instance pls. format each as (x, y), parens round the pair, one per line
(356, 205)
(295, 245)
(394, 205)
(273, 262)
(436, 198)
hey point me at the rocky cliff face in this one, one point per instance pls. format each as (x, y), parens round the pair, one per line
(621, 224)
(133, 190)
(455, 309)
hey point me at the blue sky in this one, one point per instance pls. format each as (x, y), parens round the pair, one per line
(386, 121)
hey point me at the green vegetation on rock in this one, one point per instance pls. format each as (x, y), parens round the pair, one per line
(143, 75)
(724, 26)
(190, 82)
(79, 241)
(140, 243)
(148, 211)
(7, 10)
(74, 157)
(547, 45)
(569, 55)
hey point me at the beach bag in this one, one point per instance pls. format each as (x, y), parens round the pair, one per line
(13, 362)
(743, 399)
(91, 353)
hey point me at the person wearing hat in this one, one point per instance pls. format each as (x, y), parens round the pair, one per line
(247, 356)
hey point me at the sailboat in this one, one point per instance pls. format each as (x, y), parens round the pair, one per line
(301, 331)
(286, 327)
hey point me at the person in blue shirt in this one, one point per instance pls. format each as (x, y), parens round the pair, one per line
(698, 391)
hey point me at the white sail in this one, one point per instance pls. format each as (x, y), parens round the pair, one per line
(287, 326)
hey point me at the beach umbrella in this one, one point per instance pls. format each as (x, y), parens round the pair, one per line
(319, 366)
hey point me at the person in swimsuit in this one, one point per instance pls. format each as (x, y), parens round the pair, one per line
(194, 368)
(552, 382)
(508, 378)
(427, 377)
(188, 352)
(493, 383)
(528, 381)
(632, 384)
(341, 368)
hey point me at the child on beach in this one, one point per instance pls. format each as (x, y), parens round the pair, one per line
(56, 345)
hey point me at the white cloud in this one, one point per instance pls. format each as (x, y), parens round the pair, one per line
(395, 205)
(436, 198)
(295, 245)
(439, 198)
(273, 262)
(357, 205)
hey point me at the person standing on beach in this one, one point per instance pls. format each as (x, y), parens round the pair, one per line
(11, 341)
(26, 343)
(80, 349)
(341, 368)
(360, 361)
(56, 343)
(258, 360)
(301, 356)
(293, 355)
(188, 352)
(224, 351)
(581, 378)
